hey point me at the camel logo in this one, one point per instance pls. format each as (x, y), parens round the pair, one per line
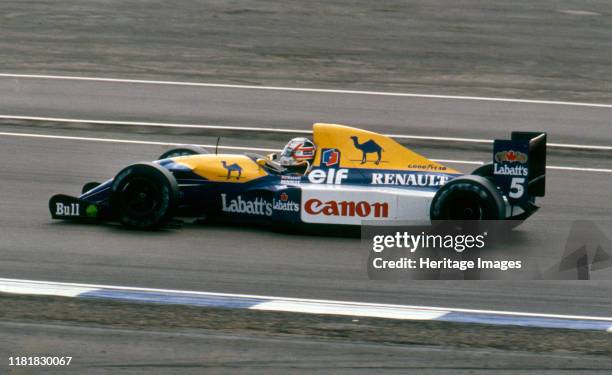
(232, 168)
(368, 147)
(330, 157)
(511, 157)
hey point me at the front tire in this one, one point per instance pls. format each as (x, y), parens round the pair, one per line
(89, 186)
(144, 196)
(183, 151)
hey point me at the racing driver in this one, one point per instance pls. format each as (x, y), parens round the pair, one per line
(297, 156)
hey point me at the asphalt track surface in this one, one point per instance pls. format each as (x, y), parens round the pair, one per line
(523, 49)
(251, 260)
(556, 51)
(298, 110)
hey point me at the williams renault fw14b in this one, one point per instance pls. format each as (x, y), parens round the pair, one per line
(342, 177)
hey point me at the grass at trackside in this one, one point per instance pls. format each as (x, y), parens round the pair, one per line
(43, 309)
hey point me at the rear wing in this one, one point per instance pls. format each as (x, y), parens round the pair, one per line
(519, 166)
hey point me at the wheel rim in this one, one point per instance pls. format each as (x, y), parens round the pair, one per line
(140, 197)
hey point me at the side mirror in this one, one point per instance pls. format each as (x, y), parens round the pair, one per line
(269, 165)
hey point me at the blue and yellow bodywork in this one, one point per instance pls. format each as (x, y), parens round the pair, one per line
(356, 175)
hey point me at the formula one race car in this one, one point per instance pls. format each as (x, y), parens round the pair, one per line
(355, 175)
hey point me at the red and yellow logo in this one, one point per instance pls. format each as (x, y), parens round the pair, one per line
(511, 156)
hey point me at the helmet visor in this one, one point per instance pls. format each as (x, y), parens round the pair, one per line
(290, 148)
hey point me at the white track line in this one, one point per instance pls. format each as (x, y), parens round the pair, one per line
(129, 141)
(561, 168)
(49, 286)
(157, 124)
(277, 130)
(112, 140)
(300, 89)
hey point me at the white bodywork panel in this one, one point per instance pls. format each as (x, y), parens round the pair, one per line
(341, 204)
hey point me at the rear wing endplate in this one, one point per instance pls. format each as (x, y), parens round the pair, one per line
(519, 166)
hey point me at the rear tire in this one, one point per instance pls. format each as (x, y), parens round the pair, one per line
(468, 197)
(144, 196)
(183, 151)
(485, 170)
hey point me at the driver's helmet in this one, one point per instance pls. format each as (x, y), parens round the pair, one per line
(298, 153)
